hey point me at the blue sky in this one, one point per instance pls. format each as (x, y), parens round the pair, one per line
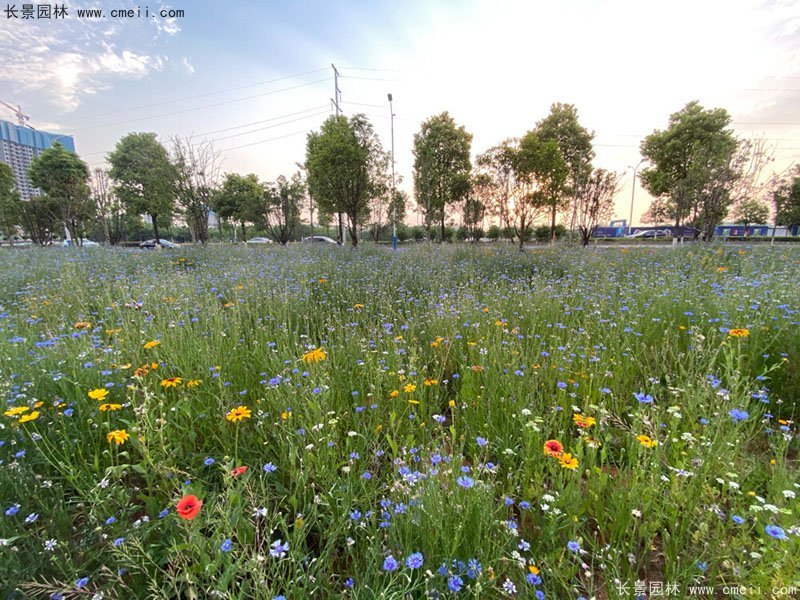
(495, 65)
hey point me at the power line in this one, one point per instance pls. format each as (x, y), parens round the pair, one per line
(227, 137)
(299, 112)
(185, 110)
(281, 137)
(222, 91)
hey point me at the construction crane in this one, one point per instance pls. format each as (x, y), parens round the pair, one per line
(17, 110)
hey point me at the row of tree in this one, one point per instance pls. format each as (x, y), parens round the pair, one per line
(697, 169)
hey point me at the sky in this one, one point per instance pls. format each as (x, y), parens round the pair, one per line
(255, 77)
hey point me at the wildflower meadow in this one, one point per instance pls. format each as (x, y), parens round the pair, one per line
(440, 422)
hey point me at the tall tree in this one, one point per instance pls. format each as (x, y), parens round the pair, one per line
(574, 142)
(787, 200)
(594, 202)
(64, 177)
(40, 217)
(240, 199)
(196, 172)
(108, 207)
(540, 168)
(283, 202)
(441, 167)
(751, 212)
(145, 178)
(691, 164)
(501, 185)
(10, 204)
(481, 193)
(346, 168)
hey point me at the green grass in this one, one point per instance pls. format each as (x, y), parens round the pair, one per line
(502, 348)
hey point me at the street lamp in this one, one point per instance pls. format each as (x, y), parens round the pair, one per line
(394, 192)
(633, 192)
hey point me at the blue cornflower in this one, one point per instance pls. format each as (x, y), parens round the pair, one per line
(12, 510)
(702, 566)
(355, 514)
(31, 517)
(208, 461)
(455, 583)
(111, 520)
(119, 541)
(349, 583)
(561, 385)
(279, 597)
(573, 546)
(81, 582)
(737, 519)
(226, 545)
(390, 564)
(643, 398)
(539, 595)
(278, 549)
(533, 579)
(738, 415)
(269, 468)
(414, 561)
(474, 568)
(163, 513)
(481, 441)
(775, 531)
(465, 482)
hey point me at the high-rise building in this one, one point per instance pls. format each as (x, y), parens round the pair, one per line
(20, 145)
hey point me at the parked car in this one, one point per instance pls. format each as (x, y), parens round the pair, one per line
(259, 240)
(319, 239)
(85, 243)
(651, 233)
(150, 244)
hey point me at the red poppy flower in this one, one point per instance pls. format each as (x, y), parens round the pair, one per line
(188, 507)
(238, 471)
(553, 448)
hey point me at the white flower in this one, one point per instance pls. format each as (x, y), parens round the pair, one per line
(789, 494)
(50, 545)
(260, 512)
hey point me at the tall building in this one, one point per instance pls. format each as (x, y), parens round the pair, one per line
(20, 145)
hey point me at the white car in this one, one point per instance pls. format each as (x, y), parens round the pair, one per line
(85, 243)
(150, 244)
(319, 239)
(259, 240)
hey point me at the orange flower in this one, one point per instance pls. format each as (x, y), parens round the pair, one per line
(238, 471)
(429, 382)
(105, 407)
(151, 344)
(646, 441)
(553, 448)
(394, 394)
(739, 332)
(171, 382)
(188, 507)
(193, 383)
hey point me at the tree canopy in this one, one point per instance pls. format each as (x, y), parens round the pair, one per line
(346, 168)
(442, 167)
(144, 177)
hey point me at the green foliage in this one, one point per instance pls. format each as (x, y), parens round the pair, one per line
(691, 165)
(145, 178)
(10, 208)
(240, 199)
(346, 168)
(283, 201)
(752, 212)
(420, 430)
(441, 167)
(787, 201)
(64, 177)
(40, 218)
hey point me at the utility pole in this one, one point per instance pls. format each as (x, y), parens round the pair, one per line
(633, 191)
(337, 96)
(394, 191)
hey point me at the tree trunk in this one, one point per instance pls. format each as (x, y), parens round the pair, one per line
(155, 229)
(441, 240)
(553, 225)
(677, 230)
(244, 232)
